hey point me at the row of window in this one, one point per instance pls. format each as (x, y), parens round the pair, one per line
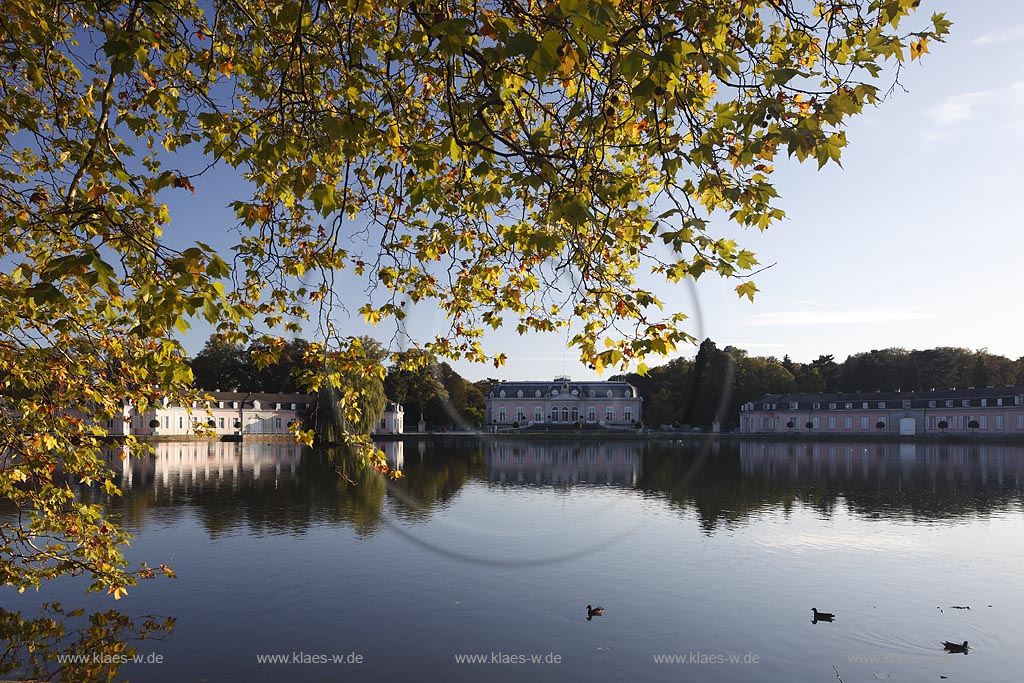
(961, 422)
(906, 403)
(935, 422)
(255, 405)
(628, 393)
(565, 415)
(521, 458)
(768, 423)
(139, 421)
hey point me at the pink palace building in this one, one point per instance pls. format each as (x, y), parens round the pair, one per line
(993, 411)
(564, 402)
(226, 412)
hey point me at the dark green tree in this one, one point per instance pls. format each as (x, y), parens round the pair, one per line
(223, 365)
(415, 382)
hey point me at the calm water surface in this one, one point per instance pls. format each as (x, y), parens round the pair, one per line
(494, 548)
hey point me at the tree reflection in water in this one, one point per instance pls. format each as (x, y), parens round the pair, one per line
(67, 645)
(286, 489)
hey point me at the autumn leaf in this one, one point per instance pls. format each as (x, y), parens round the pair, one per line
(568, 59)
(747, 289)
(918, 48)
(184, 182)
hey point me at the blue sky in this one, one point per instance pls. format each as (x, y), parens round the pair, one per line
(913, 243)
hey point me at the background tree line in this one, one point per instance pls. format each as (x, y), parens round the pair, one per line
(683, 391)
(432, 390)
(717, 381)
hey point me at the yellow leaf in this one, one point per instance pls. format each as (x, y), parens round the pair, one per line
(747, 289)
(96, 192)
(567, 60)
(917, 49)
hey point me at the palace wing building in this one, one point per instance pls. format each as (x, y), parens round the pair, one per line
(563, 402)
(226, 412)
(992, 411)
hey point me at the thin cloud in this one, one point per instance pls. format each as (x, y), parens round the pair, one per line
(958, 108)
(1008, 34)
(834, 317)
(1007, 102)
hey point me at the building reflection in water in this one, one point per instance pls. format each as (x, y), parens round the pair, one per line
(978, 465)
(187, 465)
(564, 464)
(395, 452)
(286, 488)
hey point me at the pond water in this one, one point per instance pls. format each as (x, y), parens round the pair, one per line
(707, 558)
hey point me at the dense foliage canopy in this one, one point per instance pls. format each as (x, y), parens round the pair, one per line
(512, 161)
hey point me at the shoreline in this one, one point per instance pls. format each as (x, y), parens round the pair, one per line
(1014, 439)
